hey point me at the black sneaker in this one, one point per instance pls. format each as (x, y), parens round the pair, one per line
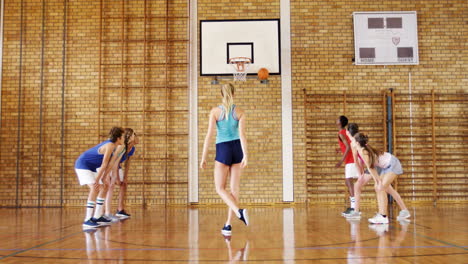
(102, 221)
(347, 211)
(122, 214)
(244, 217)
(226, 231)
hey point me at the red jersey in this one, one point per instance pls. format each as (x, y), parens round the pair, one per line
(349, 157)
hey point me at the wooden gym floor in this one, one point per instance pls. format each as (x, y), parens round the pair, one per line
(276, 235)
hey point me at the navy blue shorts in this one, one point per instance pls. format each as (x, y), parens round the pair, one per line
(229, 152)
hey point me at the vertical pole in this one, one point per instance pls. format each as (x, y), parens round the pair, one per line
(390, 120)
(393, 135)
(122, 61)
(2, 3)
(390, 128)
(384, 118)
(20, 95)
(143, 131)
(344, 103)
(193, 101)
(62, 137)
(286, 102)
(306, 123)
(166, 82)
(345, 196)
(39, 162)
(100, 74)
(434, 167)
(410, 89)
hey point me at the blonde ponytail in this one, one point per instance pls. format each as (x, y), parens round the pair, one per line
(227, 91)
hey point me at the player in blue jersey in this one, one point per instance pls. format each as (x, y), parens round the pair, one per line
(119, 177)
(92, 168)
(228, 122)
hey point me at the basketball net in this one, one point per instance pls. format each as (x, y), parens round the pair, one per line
(240, 64)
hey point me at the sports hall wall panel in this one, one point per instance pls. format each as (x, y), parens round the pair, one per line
(123, 90)
(37, 158)
(322, 52)
(261, 182)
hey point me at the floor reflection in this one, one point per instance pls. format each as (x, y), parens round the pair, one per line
(236, 255)
(390, 237)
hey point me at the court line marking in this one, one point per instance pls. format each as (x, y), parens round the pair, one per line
(253, 260)
(182, 249)
(40, 245)
(153, 246)
(435, 239)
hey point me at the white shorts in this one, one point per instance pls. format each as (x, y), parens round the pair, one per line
(87, 176)
(121, 174)
(351, 171)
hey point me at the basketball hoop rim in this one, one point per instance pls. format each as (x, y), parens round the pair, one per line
(240, 60)
(240, 64)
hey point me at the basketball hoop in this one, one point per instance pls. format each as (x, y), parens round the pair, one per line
(240, 64)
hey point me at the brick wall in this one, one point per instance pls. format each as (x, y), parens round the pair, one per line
(97, 97)
(322, 50)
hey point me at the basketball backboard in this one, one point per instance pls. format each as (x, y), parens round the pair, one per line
(221, 40)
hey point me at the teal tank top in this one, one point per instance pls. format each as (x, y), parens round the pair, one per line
(228, 129)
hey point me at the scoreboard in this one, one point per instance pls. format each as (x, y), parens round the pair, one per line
(385, 38)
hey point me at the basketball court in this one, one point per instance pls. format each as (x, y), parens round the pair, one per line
(72, 70)
(276, 235)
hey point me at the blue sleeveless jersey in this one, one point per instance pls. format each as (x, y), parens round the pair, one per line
(91, 159)
(228, 129)
(126, 156)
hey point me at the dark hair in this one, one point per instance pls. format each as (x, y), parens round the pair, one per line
(115, 133)
(363, 140)
(343, 121)
(353, 128)
(128, 134)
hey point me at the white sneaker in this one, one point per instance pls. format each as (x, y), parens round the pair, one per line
(379, 229)
(404, 214)
(378, 219)
(353, 215)
(404, 222)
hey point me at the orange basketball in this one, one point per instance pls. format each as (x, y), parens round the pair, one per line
(263, 74)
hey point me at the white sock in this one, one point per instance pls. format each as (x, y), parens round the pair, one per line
(89, 210)
(99, 204)
(353, 201)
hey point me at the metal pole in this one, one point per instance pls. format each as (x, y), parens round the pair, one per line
(390, 121)
(390, 129)
(62, 138)
(39, 162)
(434, 150)
(1, 56)
(20, 84)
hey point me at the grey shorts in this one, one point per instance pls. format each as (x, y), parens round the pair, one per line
(395, 167)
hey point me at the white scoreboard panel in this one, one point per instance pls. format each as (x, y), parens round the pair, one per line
(386, 38)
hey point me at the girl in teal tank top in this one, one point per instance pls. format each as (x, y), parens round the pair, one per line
(228, 128)
(228, 122)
